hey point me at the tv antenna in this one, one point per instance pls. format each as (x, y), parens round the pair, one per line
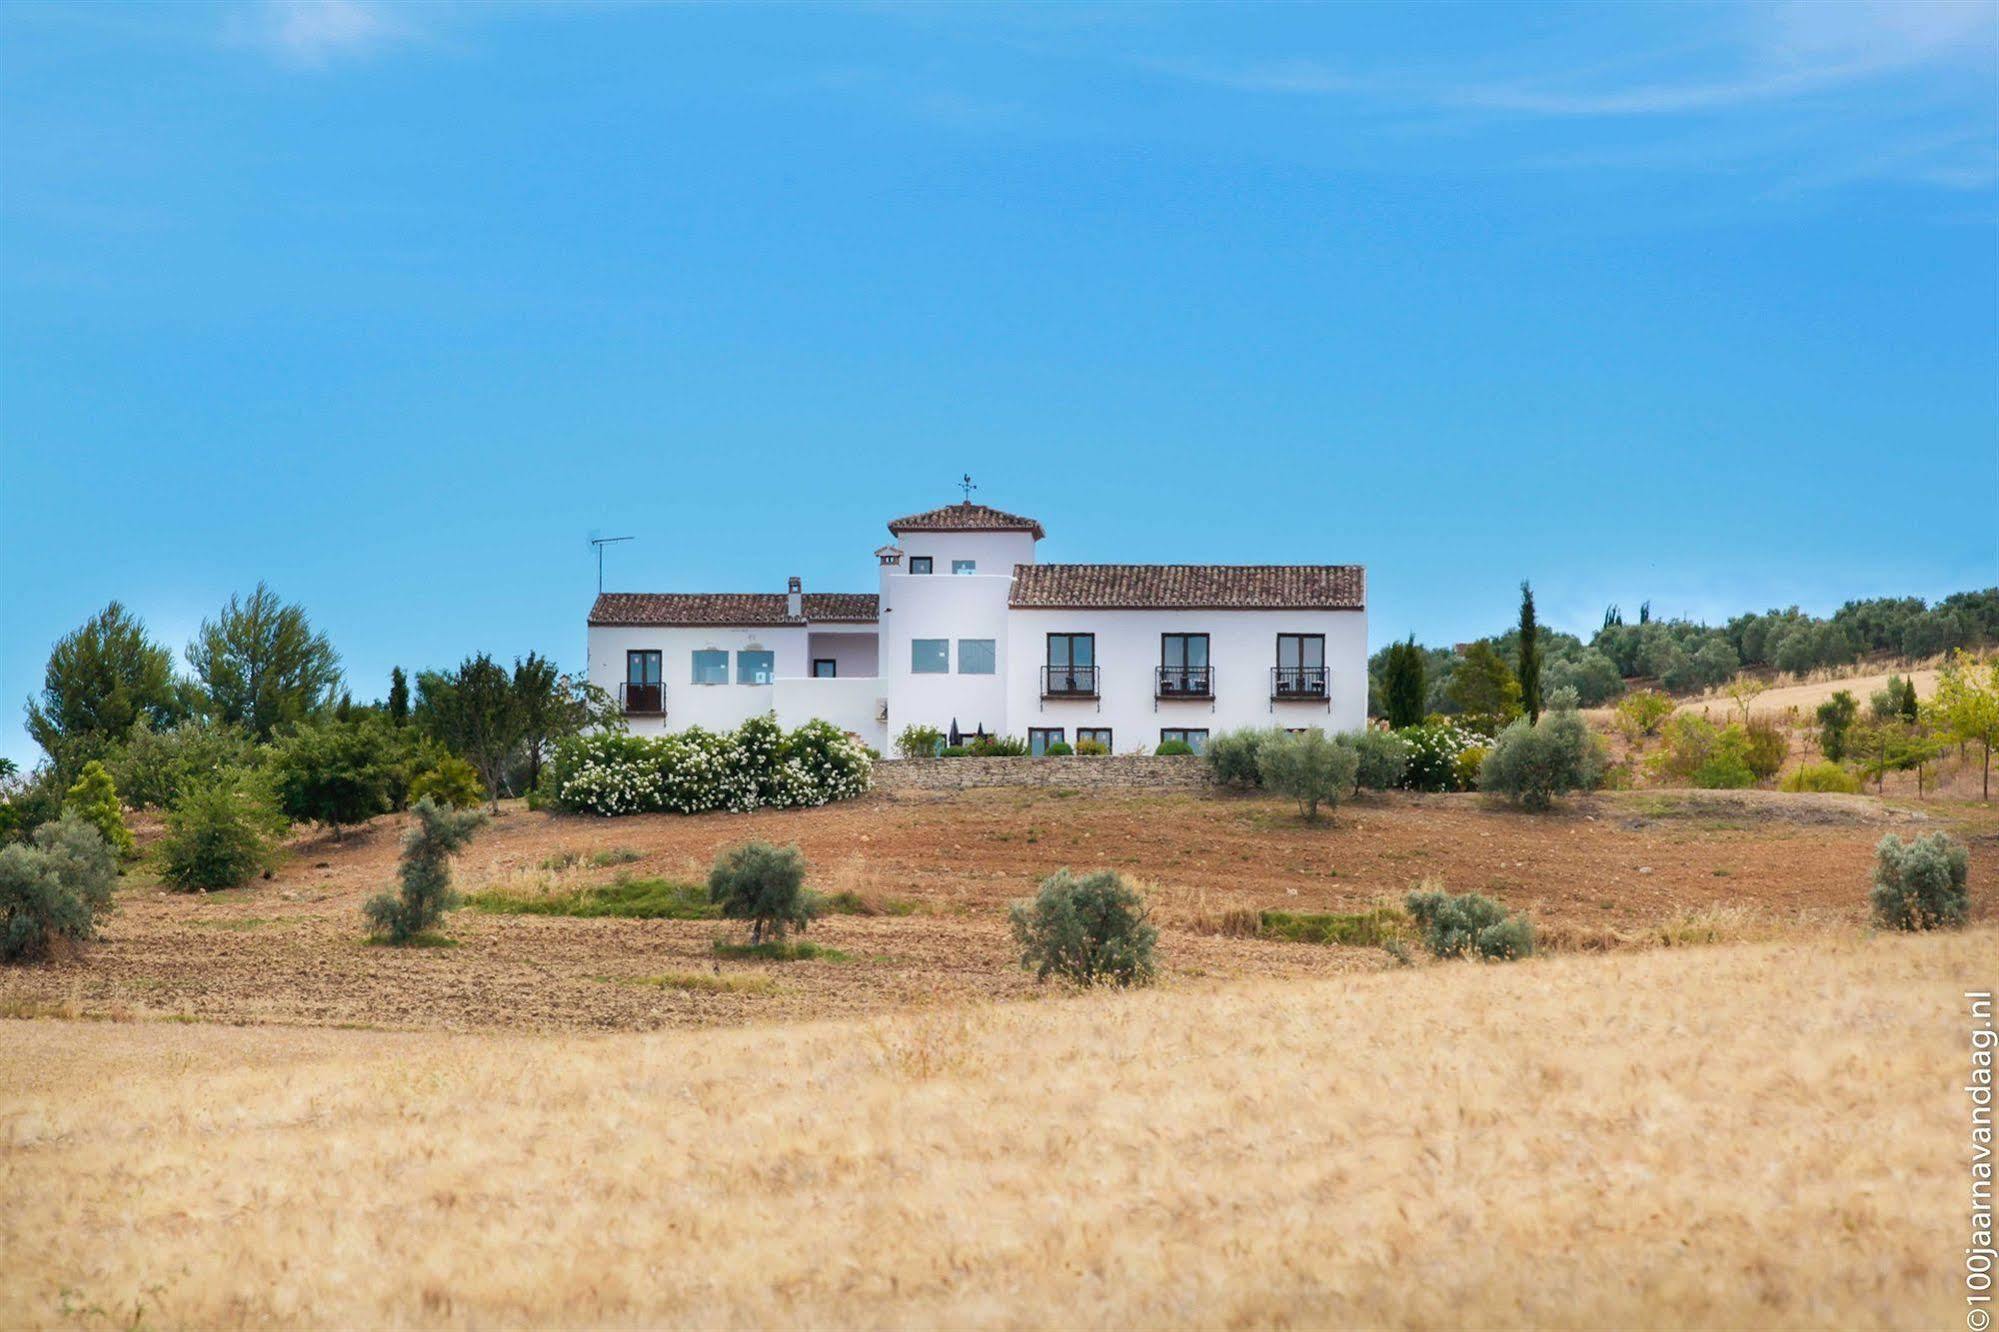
(600, 543)
(966, 484)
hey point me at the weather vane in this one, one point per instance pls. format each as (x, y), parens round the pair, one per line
(965, 484)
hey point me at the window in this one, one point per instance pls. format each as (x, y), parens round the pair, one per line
(1183, 665)
(642, 668)
(1072, 649)
(1100, 734)
(1194, 740)
(1072, 665)
(929, 656)
(1301, 651)
(919, 564)
(964, 566)
(976, 656)
(1040, 737)
(1301, 665)
(711, 667)
(754, 667)
(824, 668)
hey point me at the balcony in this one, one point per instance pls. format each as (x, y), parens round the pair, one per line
(1069, 681)
(642, 700)
(1183, 682)
(1303, 684)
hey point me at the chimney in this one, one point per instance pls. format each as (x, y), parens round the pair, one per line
(794, 598)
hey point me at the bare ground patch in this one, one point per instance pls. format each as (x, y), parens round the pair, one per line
(1634, 869)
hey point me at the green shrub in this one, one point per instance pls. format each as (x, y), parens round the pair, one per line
(55, 888)
(1766, 747)
(1836, 717)
(437, 834)
(219, 835)
(1823, 777)
(1058, 749)
(919, 742)
(1231, 755)
(1174, 749)
(1470, 924)
(953, 751)
(26, 803)
(764, 885)
(94, 799)
(450, 781)
(332, 773)
(1694, 752)
(1309, 768)
(1092, 748)
(1641, 712)
(996, 746)
(1088, 931)
(153, 768)
(1920, 884)
(1532, 763)
(1382, 757)
(1465, 768)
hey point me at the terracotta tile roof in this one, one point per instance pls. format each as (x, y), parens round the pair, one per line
(732, 608)
(1189, 587)
(966, 518)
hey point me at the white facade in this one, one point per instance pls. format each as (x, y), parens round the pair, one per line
(1265, 646)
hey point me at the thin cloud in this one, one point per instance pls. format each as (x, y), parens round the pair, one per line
(1789, 52)
(1793, 52)
(313, 33)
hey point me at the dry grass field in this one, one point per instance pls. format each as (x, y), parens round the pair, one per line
(230, 1111)
(1741, 1136)
(1615, 871)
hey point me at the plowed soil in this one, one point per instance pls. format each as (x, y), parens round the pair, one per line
(1611, 871)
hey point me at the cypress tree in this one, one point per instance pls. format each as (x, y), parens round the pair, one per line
(1530, 656)
(1404, 687)
(399, 697)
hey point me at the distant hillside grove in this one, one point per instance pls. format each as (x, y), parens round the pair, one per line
(1684, 656)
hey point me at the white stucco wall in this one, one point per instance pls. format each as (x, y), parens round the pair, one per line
(949, 607)
(1242, 647)
(853, 652)
(852, 703)
(995, 552)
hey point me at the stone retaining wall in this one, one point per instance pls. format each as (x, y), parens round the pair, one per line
(1077, 772)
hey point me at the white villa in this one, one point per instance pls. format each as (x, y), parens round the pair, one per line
(968, 629)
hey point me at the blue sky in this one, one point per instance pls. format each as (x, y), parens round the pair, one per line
(394, 306)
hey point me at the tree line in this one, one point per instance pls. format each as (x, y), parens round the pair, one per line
(1682, 655)
(261, 729)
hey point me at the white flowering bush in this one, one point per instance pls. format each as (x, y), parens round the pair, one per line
(755, 766)
(1434, 747)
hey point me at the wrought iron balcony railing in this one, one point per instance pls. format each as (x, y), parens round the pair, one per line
(1183, 682)
(1069, 681)
(1298, 682)
(642, 700)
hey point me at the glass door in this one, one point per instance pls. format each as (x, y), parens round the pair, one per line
(643, 692)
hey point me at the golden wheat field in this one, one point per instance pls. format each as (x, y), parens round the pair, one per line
(1746, 1135)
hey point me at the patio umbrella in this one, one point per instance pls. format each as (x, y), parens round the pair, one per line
(957, 737)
